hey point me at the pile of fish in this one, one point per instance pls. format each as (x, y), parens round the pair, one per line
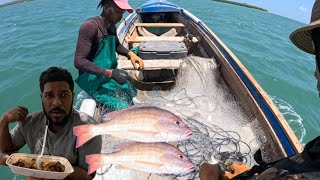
(150, 129)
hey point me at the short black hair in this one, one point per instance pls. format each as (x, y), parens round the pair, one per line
(55, 74)
(104, 2)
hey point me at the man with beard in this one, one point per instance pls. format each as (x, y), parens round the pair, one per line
(96, 60)
(57, 95)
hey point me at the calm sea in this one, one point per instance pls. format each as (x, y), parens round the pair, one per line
(38, 34)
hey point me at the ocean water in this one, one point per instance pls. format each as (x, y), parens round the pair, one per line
(35, 35)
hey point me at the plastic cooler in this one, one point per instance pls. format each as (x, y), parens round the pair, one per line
(39, 173)
(150, 50)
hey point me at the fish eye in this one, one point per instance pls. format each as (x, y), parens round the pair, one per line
(181, 157)
(177, 122)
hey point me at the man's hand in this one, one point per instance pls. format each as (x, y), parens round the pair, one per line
(119, 75)
(135, 59)
(3, 158)
(234, 169)
(18, 113)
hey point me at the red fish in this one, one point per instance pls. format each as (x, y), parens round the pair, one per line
(160, 158)
(142, 124)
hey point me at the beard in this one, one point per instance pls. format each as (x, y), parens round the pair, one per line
(61, 122)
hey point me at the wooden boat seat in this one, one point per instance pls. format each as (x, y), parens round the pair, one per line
(151, 64)
(160, 25)
(148, 36)
(144, 32)
(139, 39)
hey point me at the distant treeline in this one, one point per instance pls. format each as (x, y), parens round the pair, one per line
(13, 2)
(242, 4)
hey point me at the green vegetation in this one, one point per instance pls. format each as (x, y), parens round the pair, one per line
(242, 4)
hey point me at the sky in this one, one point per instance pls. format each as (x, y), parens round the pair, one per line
(299, 10)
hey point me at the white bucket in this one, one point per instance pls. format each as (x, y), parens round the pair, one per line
(88, 107)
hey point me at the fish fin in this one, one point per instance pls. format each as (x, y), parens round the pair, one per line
(95, 161)
(122, 146)
(110, 115)
(149, 164)
(84, 133)
(93, 167)
(140, 105)
(145, 133)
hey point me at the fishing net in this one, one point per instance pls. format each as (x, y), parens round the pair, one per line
(221, 128)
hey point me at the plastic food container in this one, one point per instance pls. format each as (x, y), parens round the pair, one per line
(39, 173)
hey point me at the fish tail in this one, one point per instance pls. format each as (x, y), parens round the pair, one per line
(84, 133)
(95, 161)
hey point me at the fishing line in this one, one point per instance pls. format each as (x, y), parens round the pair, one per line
(104, 171)
(209, 140)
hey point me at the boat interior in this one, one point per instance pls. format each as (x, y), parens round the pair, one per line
(211, 97)
(157, 36)
(162, 40)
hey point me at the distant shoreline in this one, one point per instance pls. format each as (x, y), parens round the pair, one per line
(13, 2)
(242, 4)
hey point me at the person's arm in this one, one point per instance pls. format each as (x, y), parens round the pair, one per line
(120, 48)
(79, 173)
(125, 52)
(91, 147)
(87, 35)
(3, 158)
(7, 143)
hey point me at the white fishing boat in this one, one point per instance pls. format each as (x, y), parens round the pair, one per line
(192, 73)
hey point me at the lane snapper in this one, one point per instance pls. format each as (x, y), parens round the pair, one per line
(159, 158)
(141, 123)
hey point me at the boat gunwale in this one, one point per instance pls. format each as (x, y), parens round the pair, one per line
(277, 124)
(269, 109)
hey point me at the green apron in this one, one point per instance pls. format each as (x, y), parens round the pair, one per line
(103, 89)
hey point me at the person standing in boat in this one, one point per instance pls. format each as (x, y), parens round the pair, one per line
(95, 57)
(305, 165)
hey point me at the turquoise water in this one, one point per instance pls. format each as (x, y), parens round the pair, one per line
(38, 34)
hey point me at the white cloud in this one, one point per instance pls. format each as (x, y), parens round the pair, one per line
(302, 8)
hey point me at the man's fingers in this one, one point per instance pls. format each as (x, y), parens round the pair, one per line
(141, 64)
(134, 64)
(23, 111)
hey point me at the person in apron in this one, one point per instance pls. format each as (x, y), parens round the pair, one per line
(95, 57)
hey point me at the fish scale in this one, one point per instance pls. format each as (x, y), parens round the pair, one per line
(149, 157)
(138, 123)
